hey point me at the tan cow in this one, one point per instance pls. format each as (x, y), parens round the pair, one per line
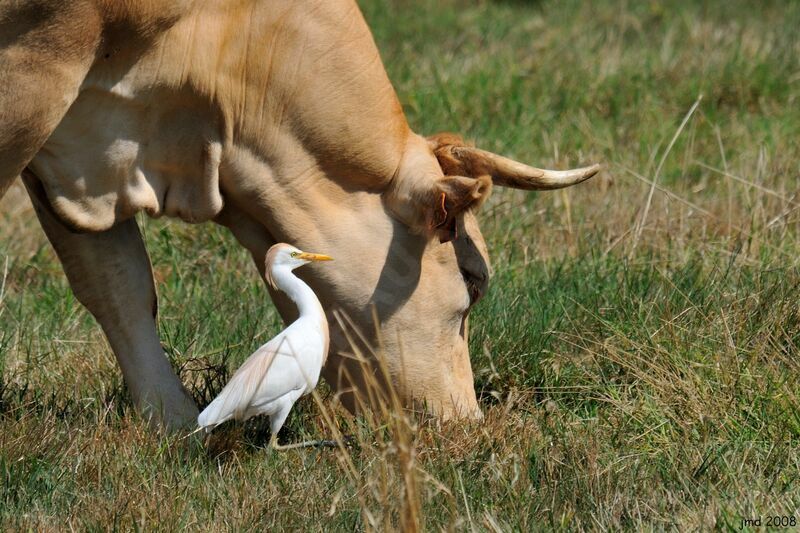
(273, 118)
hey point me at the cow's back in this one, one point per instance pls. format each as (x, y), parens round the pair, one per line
(168, 92)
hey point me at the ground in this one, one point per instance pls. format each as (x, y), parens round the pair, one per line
(637, 353)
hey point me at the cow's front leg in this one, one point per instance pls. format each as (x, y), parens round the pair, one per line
(110, 274)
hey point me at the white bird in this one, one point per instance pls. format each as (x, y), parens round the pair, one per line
(285, 368)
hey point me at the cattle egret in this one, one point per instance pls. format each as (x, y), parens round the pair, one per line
(285, 368)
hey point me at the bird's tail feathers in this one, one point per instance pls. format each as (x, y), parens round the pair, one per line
(237, 395)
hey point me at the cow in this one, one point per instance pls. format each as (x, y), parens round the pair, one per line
(276, 120)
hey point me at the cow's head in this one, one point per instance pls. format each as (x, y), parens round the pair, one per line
(438, 206)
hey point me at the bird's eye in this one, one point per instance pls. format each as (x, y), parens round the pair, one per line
(294, 254)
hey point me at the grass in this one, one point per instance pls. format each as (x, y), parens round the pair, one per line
(628, 382)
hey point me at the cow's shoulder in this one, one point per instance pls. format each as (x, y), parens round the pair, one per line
(46, 48)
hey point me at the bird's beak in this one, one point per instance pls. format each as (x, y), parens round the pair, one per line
(315, 257)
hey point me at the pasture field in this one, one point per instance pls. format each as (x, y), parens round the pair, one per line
(636, 356)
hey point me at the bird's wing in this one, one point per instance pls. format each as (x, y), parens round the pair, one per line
(240, 393)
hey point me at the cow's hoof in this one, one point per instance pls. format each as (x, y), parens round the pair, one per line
(171, 414)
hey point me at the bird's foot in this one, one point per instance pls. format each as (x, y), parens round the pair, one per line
(322, 443)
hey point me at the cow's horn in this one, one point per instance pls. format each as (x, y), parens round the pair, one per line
(507, 172)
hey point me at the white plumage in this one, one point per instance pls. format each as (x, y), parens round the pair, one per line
(288, 366)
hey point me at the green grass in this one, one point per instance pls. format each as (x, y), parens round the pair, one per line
(635, 382)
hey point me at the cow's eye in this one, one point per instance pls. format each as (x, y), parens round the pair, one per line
(476, 285)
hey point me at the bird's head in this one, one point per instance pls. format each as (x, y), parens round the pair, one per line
(284, 255)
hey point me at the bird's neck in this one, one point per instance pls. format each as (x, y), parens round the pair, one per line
(301, 294)
(306, 301)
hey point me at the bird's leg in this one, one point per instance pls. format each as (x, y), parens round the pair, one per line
(276, 423)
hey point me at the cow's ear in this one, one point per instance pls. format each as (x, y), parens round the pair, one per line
(453, 196)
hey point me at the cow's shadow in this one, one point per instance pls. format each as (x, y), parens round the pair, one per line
(402, 268)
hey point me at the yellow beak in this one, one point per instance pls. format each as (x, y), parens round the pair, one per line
(314, 257)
